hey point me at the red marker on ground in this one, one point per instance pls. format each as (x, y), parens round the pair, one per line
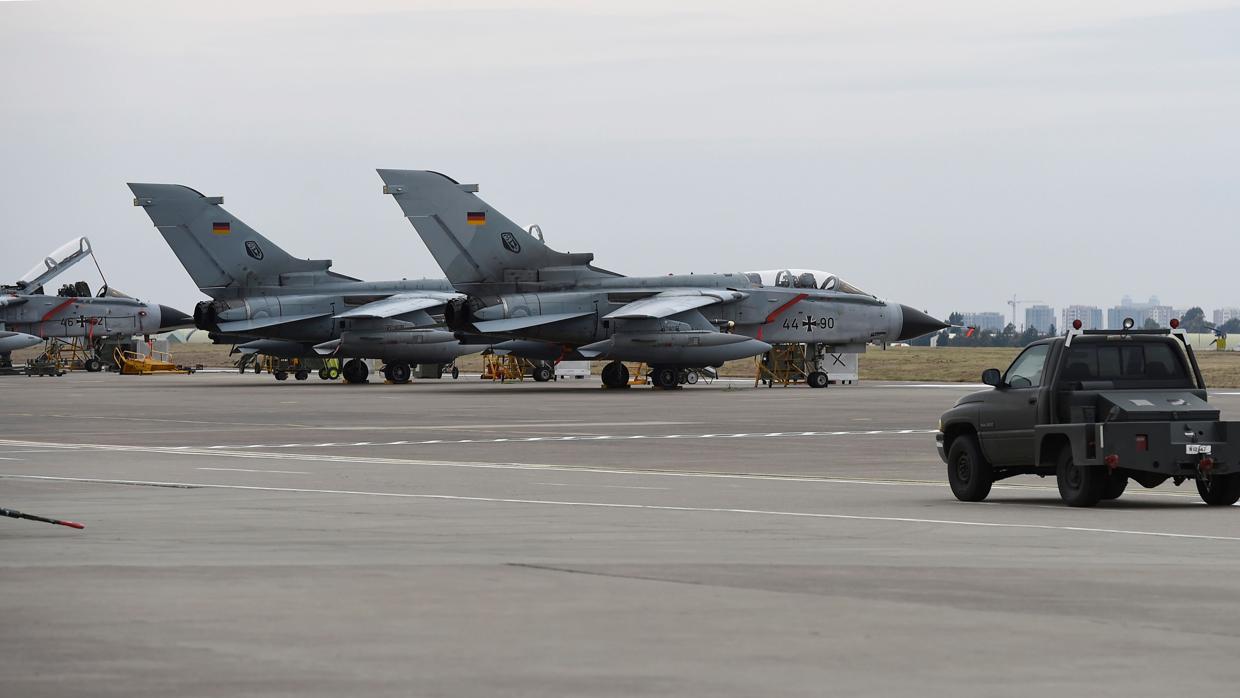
(11, 513)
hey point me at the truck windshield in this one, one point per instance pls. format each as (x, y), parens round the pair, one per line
(1130, 364)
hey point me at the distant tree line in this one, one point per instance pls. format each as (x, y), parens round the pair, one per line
(1194, 321)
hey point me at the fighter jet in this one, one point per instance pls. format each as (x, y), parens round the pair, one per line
(267, 301)
(518, 287)
(28, 316)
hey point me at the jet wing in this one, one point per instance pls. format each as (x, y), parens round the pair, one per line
(671, 302)
(520, 323)
(400, 304)
(242, 326)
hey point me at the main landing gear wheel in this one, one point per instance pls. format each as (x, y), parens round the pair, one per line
(398, 372)
(92, 365)
(543, 373)
(355, 371)
(301, 374)
(967, 470)
(817, 379)
(281, 375)
(665, 377)
(1220, 490)
(616, 375)
(1080, 486)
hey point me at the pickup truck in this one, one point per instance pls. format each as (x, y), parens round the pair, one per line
(1095, 409)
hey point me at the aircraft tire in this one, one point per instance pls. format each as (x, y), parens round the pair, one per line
(1220, 490)
(281, 375)
(615, 375)
(398, 373)
(691, 377)
(817, 379)
(92, 365)
(456, 373)
(665, 377)
(543, 373)
(355, 371)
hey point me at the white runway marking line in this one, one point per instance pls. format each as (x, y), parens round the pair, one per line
(647, 507)
(562, 439)
(549, 467)
(610, 487)
(248, 470)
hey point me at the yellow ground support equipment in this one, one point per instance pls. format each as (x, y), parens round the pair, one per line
(505, 368)
(71, 354)
(638, 374)
(134, 364)
(784, 365)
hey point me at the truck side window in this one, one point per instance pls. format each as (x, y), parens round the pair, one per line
(1026, 370)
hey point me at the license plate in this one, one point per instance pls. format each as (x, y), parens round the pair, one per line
(1192, 449)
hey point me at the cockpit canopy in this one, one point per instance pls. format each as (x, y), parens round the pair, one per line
(804, 278)
(56, 263)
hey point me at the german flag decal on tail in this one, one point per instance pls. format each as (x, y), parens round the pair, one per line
(476, 218)
(221, 228)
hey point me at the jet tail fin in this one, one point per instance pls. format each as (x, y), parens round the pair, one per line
(474, 244)
(222, 254)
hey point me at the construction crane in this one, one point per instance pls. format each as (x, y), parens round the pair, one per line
(1017, 302)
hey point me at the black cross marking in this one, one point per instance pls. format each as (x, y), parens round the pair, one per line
(809, 323)
(837, 360)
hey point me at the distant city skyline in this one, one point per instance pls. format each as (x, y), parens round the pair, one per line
(1045, 315)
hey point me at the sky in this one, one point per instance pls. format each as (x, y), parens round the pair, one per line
(945, 155)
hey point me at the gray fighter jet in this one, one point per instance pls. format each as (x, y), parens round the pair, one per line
(28, 316)
(267, 301)
(519, 288)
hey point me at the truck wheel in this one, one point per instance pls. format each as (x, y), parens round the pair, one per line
(302, 374)
(1115, 486)
(967, 470)
(1220, 490)
(281, 375)
(1079, 486)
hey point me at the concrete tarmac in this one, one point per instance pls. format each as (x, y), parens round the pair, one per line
(454, 538)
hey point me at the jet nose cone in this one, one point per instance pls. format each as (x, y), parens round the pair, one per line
(173, 319)
(916, 323)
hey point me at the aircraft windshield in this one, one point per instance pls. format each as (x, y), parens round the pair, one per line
(57, 262)
(803, 278)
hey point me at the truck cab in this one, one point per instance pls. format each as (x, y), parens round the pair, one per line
(1097, 409)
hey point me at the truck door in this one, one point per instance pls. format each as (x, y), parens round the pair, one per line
(1009, 414)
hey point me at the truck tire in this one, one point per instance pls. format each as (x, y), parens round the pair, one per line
(1220, 490)
(967, 470)
(1115, 486)
(1080, 486)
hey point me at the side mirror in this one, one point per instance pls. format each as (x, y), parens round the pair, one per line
(992, 377)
